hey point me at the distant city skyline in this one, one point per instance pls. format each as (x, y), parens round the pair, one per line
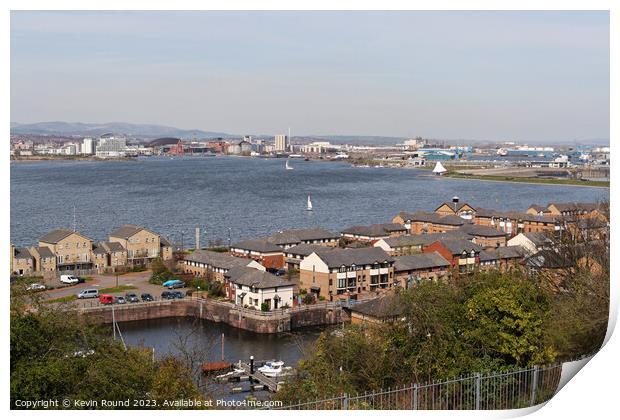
(522, 76)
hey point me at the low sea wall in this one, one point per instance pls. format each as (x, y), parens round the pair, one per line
(251, 320)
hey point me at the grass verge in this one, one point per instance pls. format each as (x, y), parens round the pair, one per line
(529, 180)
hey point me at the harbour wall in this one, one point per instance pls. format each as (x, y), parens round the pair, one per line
(246, 319)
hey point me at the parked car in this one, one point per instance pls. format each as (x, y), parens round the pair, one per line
(88, 293)
(174, 284)
(147, 297)
(276, 271)
(69, 279)
(35, 287)
(167, 295)
(131, 298)
(81, 280)
(120, 300)
(177, 295)
(106, 299)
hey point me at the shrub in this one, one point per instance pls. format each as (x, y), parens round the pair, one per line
(264, 307)
(308, 299)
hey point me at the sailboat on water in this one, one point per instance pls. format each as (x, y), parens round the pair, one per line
(439, 169)
(309, 207)
(288, 166)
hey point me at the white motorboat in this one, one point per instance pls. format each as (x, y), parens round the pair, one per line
(272, 369)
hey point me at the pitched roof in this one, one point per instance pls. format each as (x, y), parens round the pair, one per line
(58, 235)
(387, 306)
(480, 230)
(347, 257)
(164, 242)
(502, 252)
(252, 277)
(574, 206)
(293, 236)
(216, 259)
(44, 252)
(435, 218)
(305, 249)
(454, 206)
(537, 208)
(127, 231)
(420, 261)
(425, 238)
(376, 230)
(114, 246)
(457, 246)
(258, 245)
(547, 259)
(514, 215)
(21, 253)
(538, 238)
(99, 249)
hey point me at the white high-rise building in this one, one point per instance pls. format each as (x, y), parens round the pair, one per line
(111, 146)
(88, 146)
(282, 143)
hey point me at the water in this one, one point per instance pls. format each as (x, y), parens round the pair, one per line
(251, 197)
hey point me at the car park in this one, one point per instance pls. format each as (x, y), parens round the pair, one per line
(88, 293)
(131, 298)
(147, 297)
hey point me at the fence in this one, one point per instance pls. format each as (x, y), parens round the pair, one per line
(494, 391)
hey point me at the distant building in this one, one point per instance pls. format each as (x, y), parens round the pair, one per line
(88, 146)
(281, 143)
(110, 145)
(255, 288)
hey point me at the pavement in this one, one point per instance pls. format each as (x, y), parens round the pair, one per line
(139, 280)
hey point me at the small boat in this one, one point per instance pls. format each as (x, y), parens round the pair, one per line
(309, 207)
(288, 167)
(271, 369)
(306, 160)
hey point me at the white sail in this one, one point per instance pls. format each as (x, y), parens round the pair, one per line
(287, 165)
(439, 169)
(309, 208)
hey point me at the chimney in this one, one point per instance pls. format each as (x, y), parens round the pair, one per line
(455, 202)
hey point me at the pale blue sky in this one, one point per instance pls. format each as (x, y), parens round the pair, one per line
(528, 76)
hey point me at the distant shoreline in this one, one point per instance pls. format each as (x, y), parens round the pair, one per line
(514, 180)
(68, 159)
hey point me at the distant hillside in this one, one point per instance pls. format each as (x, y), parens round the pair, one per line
(147, 131)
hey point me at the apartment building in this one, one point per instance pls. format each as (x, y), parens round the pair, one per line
(410, 270)
(22, 261)
(485, 236)
(426, 222)
(292, 237)
(202, 263)
(463, 255)
(502, 258)
(456, 208)
(109, 255)
(343, 273)
(513, 223)
(71, 249)
(142, 245)
(413, 244)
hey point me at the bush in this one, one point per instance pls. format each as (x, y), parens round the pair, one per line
(308, 299)
(161, 272)
(264, 307)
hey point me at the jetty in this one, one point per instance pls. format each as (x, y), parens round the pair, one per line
(249, 372)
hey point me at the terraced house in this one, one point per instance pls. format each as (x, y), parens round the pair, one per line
(266, 253)
(142, 245)
(410, 270)
(342, 273)
(463, 255)
(316, 236)
(109, 256)
(456, 208)
(427, 222)
(414, 244)
(512, 222)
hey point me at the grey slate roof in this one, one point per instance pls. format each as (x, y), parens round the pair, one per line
(435, 218)
(502, 252)
(164, 242)
(114, 246)
(425, 239)
(216, 259)
(22, 253)
(514, 215)
(127, 231)
(480, 230)
(57, 235)
(420, 261)
(99, 249)
(539, 239)
(360, 256)
(294, 236)
(305, 249)
(252, 277)
(574, 206)
(258, 245)
(547, 259)
(457, 246)
(387, 306)
(45, 252)
(376, 230)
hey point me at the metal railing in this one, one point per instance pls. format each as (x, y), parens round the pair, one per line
(492, 391)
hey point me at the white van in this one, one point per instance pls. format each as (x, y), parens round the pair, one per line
(88, 293)
(69, 279)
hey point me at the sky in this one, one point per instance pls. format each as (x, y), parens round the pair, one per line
(524, 76)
